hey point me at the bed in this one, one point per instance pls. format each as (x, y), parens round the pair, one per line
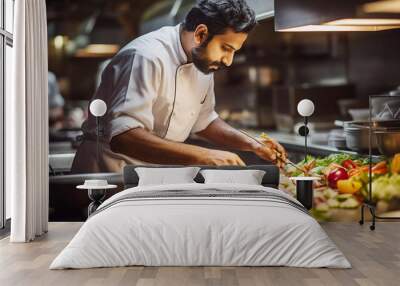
(199, 224)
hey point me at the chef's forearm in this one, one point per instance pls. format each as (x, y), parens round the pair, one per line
(221, 133)
(145, 146)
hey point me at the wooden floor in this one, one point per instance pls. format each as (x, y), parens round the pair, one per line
(375, 257)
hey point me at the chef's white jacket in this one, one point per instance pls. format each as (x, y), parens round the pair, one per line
(148, 84)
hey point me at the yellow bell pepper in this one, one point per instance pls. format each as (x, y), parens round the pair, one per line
(349, 186)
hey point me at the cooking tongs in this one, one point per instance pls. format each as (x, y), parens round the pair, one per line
(278, 154)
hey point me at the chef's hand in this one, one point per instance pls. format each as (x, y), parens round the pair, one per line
(271, 150)
(220, 158)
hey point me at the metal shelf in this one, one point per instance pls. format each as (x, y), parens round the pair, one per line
(370, 204)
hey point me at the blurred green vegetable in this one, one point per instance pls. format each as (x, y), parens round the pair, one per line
(339, 159)
(332, 158)
(386, 187)
(349, 203)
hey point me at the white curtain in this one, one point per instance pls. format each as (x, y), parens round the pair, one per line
(27, 124)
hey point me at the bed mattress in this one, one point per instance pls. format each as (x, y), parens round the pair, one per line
(201, 225)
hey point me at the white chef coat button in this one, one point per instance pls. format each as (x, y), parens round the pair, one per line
(192, 113)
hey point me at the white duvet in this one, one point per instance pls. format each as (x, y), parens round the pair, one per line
(206, 230)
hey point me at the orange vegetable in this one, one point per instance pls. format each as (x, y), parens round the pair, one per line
(357, 171)
(354, 172)
(380, 165)
(395, 166)
(380, 169)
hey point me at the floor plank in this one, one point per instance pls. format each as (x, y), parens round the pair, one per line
(375, 257)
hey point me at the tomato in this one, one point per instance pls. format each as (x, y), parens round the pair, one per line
(336, 175)
(349, 164)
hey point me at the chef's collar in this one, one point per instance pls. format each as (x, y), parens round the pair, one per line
(181, 52)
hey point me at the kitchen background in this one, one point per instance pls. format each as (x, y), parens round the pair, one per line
(338, 71)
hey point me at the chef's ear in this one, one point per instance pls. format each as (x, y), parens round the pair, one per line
(200, 34)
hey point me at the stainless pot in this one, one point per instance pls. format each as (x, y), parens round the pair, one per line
(388, 132)
(388, 142)
(357, 138)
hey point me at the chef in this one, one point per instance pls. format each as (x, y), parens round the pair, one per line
(159, 89)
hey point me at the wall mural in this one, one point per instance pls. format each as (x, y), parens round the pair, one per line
(157, 102)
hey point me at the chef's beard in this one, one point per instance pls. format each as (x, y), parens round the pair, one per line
(202, 63)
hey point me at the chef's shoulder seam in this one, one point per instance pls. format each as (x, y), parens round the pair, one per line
(153, 66)
(132, 53)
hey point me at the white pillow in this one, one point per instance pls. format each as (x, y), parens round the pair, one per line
(163, 176)
(248, 177)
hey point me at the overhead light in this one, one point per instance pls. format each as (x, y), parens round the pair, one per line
(59, 42)
(324, 16)
(364, 22)
(383, 6)
(97, 50)
(348, 25)
(338, 28)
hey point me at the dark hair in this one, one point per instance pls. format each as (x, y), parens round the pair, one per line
(220, 15)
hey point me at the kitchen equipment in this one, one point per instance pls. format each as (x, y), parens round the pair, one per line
(357, 133)
(279, 155)
(395, 92)
(388, 141)
(357, 138)
(359, 114)
(286, 98)
(386, 106)
(337, 139)
(350, 103)
(387, 131)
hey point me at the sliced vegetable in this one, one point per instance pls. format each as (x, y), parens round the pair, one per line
(332, 203)
(317, 170)
(349, 164)
(322, 207)
(350, 203)
(380, 169)
(343, 197)
(333, 158)
(331, 167)
(335, 176)
(358, 171)
(329, 193)
(344, 181)
(353, 172)
(395, 166)
(349, 186)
